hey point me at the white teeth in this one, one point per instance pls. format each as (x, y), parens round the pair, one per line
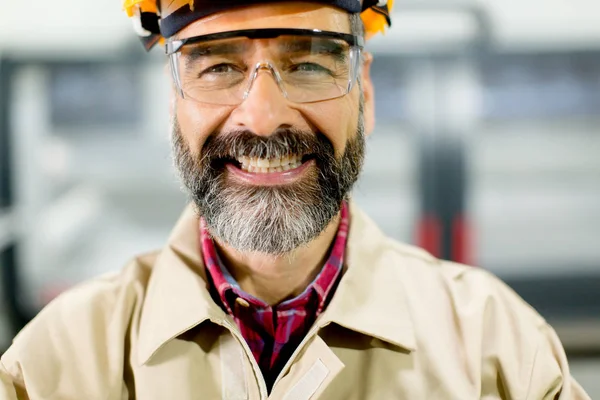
(264, 166)
(263, 163)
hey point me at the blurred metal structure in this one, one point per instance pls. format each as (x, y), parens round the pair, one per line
(15, 315)
(5, 227)
(443, 93)
(63, 205)
(11, 314)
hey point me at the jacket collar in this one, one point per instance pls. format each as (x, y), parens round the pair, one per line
(370, 298)
(178, 297)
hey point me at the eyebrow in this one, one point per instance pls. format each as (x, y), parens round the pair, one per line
(200, 50)
(314, 45)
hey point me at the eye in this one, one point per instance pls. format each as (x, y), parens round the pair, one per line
(223, 72)
(308, 67)
(221, 69)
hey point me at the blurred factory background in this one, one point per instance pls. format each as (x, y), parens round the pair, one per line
(486, 150)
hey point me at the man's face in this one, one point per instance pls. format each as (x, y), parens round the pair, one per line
(258, 211)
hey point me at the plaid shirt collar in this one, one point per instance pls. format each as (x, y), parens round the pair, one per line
(322, 285)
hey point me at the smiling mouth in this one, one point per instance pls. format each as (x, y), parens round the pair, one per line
(269, 166)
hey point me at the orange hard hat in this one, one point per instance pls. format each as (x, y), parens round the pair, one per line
(155, 20)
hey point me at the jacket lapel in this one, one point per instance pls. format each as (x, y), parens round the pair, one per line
(367, 300)
(178, 298)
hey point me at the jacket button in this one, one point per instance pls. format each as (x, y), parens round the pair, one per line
(242, 302)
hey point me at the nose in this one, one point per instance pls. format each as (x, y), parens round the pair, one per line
(265, 109)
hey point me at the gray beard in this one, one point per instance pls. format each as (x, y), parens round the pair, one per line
(269, 220)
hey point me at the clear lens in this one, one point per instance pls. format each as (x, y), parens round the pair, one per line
(307, 69)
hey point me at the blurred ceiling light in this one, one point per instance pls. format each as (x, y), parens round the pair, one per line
(424, 31)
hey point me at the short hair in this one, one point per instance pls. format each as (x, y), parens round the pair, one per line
(357, 28)
(356, 25)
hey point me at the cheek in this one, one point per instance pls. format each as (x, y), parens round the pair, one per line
(199, 121)
(337, 119)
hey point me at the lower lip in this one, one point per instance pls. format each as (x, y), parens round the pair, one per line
(269, 179)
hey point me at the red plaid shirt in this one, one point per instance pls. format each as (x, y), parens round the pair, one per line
(273, 333)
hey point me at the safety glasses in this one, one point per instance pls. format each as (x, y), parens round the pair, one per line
(307, 65)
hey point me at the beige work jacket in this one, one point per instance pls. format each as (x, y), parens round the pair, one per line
(401, 325)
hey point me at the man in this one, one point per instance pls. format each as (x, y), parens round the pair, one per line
(274, 284)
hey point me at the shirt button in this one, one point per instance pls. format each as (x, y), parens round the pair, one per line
(242, 302)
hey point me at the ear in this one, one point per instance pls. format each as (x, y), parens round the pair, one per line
(368, 93)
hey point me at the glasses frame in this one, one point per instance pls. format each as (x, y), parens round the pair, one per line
(173, 48)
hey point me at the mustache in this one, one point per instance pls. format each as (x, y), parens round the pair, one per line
(281, 143)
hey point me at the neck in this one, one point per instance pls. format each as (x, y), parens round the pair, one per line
(274, 279)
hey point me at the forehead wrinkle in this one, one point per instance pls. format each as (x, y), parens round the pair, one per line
(210, 49)
(316, 45)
